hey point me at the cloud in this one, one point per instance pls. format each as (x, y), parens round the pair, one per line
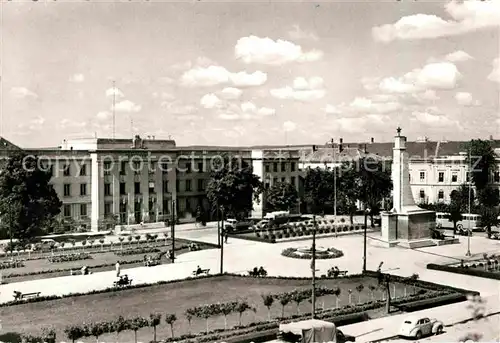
(466, 99)
(466, 16)
(395, 85)
(363, 124)
(229, 116)
(302, 90)
(177, 108)
(71, 124)
(266, 111)
(331, 109)
(458, 56)
(289, 126)
(230, 93)
(103, 115)
(254, 49)
(216, 75)
(364, 105)
(127, 106)
(247, 110)
(22, 93)
(495, 73)
(298, 34)
(33, 124)
(163, 96)
(77, 78)
(114, 91)
(210, 101)
(433, 119)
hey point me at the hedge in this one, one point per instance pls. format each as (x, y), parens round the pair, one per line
(464, 271)
(423, 304)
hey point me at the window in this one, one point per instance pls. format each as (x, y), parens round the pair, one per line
(283, 179)
(188, 185)
(275, 167)
(137, 167)
(151, 187)
(107, 168)
(201, 184)
(497, 192)
(422, 176)
(441, 195)
(107, 208)
(83, 170)
(200, 167)
(267, 168)
(67, 190)
(83, 210)
(166, 206)
(275, 180)
(137, 187)
(188, 168)
(496, 177)
(51, 170)
(67, 210)
(467, 176)
(422, 194)
(283, 166)
(454, 177)
(123, 189)
(83, 189)
(152, 167)
(165, 186)
(292, 180)
(123, 167)
(292, 166)
(107, 189)
(441, 177)
(178, 185)
(66, 170)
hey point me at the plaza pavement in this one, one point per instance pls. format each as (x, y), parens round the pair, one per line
(242, 255)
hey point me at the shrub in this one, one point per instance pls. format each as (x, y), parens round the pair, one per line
(12, 264)
(280, 235)
(345, 228)
(266, 237)
(301, 233)
(273, 237)
(287, 235)
(342, 220)
(294, 234)
(69, 257)
(257, 234)
(136, 251)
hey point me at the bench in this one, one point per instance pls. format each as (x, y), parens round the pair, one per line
(203, 271)
(20, 296)
(342, 272)
(151, 263)
(121, 283)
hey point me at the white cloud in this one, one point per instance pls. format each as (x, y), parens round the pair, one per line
(244, 79)
(331, 109)
(254, 49)
(466, 99)
(77, 78)
(495, 73)
(364, 105)
(216, 75)
(433, 120)
(114, 91)
(298, 34)
(302, 90)
(33, 124)
(289, 126)
(103, 115)
(210, 101)
(458, 56)
(163, 96)
(266, 111)
(231, 93)
(178, 108)
(246, 110)
(429, 95)
(22, 92)
(398, 86)
(363, 124)
(127, 106)
(467, 16)
(229, 116)
(71, 124)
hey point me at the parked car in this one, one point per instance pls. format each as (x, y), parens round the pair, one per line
(417, 327)
(235, 225)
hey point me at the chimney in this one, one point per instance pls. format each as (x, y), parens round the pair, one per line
(341, 147)
(153, 137)
(372, 140)
(491, 137)
(365, 150)
(314, 148)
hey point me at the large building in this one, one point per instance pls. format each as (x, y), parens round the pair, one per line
(103, 182)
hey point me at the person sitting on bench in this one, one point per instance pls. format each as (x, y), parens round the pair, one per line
(124, 279)
(336, 272)
(85, 270)
(198, 270)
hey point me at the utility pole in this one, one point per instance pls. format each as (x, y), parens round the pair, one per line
(222, 244)
(173, 231)
(313, 269)
(218, 223)
(470, 191)
(364, 240)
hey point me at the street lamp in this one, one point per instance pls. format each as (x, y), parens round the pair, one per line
(364, 240)
(173, 232)
(313, 269)
(470, 190)
(222, 244)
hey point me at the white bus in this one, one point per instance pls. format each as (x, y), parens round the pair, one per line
(443, 221)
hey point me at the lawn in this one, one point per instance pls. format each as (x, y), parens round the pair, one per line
(176, 298)
(98, 259)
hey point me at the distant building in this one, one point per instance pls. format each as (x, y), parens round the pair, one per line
(103, 182)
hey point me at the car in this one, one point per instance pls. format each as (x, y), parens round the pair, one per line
(235, 225)
(417, 327)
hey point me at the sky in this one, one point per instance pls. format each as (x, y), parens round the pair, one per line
(246, 73)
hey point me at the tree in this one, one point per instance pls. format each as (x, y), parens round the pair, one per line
(201, 216)
(170, 320)
(319, 190)
(297, 298)
(459, 202)
(360, 289)
(74, 332)
(119, 325)
(372, 289)
(268, 301)
(154, 321)
(189, 314)
(98, 329)
(48, 335)
(234, 186)
(384, 280)
(482, 161)
(489, 218)
(27, 201)
(226, 309)
(241, 308)
(282, 196)
(135, 324)
(336, 292)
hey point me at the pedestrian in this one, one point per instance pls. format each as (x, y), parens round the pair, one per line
(117, 267)
(226, 236)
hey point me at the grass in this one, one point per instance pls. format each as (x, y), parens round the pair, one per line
(98, 258)
(176, 298)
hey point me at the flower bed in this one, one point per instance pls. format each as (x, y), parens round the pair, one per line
(137, 251)
(69, 257)
(306, 253)
(12, 264)
(471, 270)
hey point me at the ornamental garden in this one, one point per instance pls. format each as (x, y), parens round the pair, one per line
(488, 266)
(216, 307)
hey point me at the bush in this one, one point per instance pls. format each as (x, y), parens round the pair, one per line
(136, 251)
(280, 235)
(266, 237)
(465, 271)
(294, 234)
(332, 253)
(287, 235)
(257, 234)
(273, 237)
(69, 257)
(11, 264)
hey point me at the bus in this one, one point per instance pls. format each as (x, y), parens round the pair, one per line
(443, 221)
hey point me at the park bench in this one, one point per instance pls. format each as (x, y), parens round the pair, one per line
(342, 273)
(122, 283)
(152, 263)
(199, 272)
(20, 296)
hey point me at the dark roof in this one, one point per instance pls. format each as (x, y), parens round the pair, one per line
(6, 145)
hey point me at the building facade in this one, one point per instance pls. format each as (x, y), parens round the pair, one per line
(106, 182)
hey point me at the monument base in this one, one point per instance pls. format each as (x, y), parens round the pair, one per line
(409, 229)
(417, 243)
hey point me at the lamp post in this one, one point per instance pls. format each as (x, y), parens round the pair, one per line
(173, 231)
(334, 183)
(222, 244)
(218, 223)
(364, 240)
(470, 190)
(313, 269)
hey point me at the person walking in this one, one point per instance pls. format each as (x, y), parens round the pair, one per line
(117, 268)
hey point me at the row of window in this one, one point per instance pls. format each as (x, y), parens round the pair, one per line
(454, 176)
(283, 166)
(441, 194)
(67, 210)
(283, 179)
